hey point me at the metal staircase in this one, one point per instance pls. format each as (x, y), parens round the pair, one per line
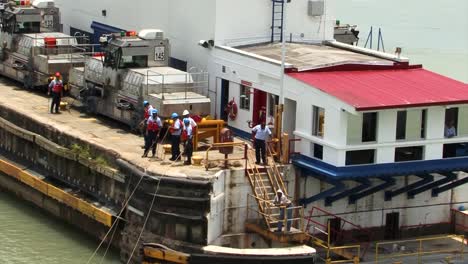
(277, 20)
(265, 181)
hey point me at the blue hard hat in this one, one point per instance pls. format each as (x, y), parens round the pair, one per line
(154, 111)
(186, 121)
(145, 103)
(174, 115)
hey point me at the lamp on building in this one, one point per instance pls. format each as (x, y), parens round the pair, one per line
(206, 43)
(104, 12)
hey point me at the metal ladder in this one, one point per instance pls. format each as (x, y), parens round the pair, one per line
(264, 184)
(262, 187)
(277, 19)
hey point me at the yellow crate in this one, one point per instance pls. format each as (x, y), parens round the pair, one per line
(103, 217)
(55, 193)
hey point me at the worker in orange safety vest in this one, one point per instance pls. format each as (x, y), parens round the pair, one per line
(56, 90)
(153, 129)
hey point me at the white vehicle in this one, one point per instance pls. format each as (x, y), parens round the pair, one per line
(133, 69)
(32, 48)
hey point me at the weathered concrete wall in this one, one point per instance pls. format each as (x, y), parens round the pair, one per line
(177, 218)
(56, 162)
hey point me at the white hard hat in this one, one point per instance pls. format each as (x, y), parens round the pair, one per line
(186, 112)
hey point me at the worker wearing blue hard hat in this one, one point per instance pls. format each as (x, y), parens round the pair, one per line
(175, 130)
(153, 129)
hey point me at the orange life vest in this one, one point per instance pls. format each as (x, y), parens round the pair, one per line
(153, 125)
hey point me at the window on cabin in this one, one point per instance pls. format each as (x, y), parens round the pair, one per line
(317, 151)
(409, 153)
(244, 100)
(358, 157)
(423, 123)
(369, 127)
(401, 125)
(455, 150)
(134, 62)
(28, 27)
(318, 121)
(451, 122)
(411, 124)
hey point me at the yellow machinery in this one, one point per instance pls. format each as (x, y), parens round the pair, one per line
(207, 129)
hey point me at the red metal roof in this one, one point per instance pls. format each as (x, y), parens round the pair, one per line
(385, 89)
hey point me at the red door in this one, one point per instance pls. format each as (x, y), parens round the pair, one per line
(259, 107)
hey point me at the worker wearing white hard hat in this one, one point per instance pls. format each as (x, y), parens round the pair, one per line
(186, 114)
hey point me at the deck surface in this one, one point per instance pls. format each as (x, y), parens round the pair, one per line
(101, 132)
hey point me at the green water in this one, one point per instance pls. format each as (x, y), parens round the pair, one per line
(30, 236)
(433, 33)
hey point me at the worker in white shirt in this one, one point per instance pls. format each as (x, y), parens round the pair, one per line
(284, 204)
(187, 139)
(175, 129)
(450, 130)
(262, 133)
(186, 114)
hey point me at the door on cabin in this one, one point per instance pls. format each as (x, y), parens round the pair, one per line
(224, 99)
(259, 107)
(392, 225)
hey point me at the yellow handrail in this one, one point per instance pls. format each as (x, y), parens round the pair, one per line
(420, 252)
(277, 174)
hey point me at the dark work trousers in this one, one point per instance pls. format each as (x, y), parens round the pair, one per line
(151, 141)
(260, 149)
(288, 217)
(188, 148)
(55, 102)
(145, 136)
(175, 146)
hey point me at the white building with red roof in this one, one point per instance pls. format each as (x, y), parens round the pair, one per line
(371, 126)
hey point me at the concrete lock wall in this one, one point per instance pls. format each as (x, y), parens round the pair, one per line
(178, 219)
(61, 164)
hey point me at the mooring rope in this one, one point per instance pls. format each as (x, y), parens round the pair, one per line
(149, 211)
(118, 217)
(146, 221)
